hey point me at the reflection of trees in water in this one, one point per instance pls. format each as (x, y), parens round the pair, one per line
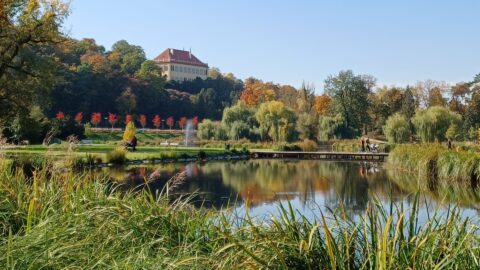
(208, 187)
(269, 180)
(412, 183)
(260, 181)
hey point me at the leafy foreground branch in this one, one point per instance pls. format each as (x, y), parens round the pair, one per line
(73, 221)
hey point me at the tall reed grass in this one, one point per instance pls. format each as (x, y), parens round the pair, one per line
(75, 221)
(434, 166)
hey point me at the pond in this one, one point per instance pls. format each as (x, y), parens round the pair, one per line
(311, 186)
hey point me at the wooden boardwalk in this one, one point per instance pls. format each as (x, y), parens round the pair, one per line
(342, 156)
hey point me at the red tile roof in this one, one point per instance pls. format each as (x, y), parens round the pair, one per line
(179, 57)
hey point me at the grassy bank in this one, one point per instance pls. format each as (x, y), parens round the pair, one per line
(56, 221)
(143, 137)
(433, 166)
(102, 152)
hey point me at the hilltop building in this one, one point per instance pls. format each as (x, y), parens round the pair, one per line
(179, 65)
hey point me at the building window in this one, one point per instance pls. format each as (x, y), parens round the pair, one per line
(173, 67)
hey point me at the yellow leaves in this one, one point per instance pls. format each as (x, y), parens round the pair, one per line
(130, 131)
(322, 104)
(96, 61)
(257, 92)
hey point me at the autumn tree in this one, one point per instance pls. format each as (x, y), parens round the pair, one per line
(322, 104)
(429, 93)
(112, 119)
(128, 118)
(143, 120)
(157, 121)
(182, 122)
(435, 97)
(170, 122)
(195, 121)
(96, 118)
(79, 118)
(458, 97)
(256, 92)
(60, 115)
(306, 98)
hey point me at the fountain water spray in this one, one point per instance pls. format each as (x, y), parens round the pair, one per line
(189, 134)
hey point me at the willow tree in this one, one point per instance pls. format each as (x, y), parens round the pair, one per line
(397, 129)
(432, 124)
(276, 121)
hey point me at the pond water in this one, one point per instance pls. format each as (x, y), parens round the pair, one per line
(311, 186)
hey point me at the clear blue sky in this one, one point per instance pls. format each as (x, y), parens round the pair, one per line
(398, 42)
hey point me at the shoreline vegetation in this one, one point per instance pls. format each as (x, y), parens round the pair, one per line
(433, 166)
(52, 220)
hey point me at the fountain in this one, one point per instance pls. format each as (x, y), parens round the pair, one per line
(189, 134)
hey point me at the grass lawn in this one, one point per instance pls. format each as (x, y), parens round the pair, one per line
(103, 137)
(101, 150)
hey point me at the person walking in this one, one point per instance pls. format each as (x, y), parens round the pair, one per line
(449, 144)
(363, 145)
(368, 144)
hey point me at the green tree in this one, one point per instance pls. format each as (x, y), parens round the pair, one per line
(432, 124)
(332, 128)
(453, 132)
(409, 104)
(472, 114)
(131, 56)
(127, 102)
(209, 130)
(397, 129)
(240, 121)
(276, 121)
(350, 94)
(307, 126)
(151, 74)
(28, 29)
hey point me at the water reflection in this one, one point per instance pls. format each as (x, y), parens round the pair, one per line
(260, 183)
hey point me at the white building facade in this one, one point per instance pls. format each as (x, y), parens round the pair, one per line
(180, 65)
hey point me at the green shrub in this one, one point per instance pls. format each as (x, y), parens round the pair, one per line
(117, 156)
